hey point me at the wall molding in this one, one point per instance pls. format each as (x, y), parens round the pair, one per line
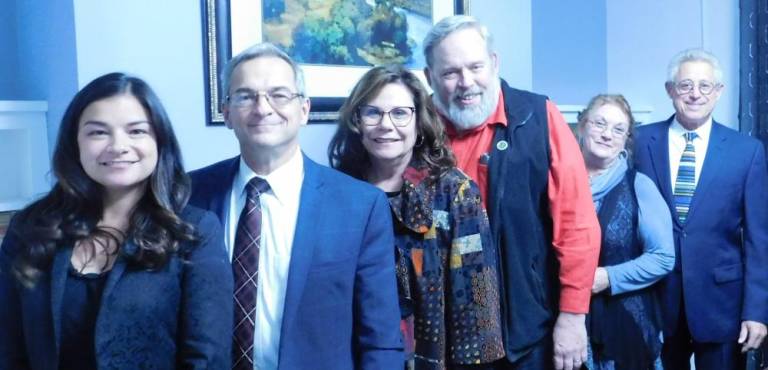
(571, 112)
(24, 159)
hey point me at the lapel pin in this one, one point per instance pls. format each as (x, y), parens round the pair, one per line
(502, 145)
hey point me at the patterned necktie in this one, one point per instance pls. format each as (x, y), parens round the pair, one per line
(686, 178)
(245, 268)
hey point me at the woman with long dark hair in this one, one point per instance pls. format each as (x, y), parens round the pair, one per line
(111, 269)
(390, 136)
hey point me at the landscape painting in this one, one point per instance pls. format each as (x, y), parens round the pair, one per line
(335, 41)
(349, 32)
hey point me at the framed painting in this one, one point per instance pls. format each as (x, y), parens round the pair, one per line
(335, 41)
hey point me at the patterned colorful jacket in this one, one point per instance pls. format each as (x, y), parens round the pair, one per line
(446, 266)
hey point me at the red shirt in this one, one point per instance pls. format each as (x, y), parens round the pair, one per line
(576, 231)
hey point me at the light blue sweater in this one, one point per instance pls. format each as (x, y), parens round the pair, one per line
(654, 229)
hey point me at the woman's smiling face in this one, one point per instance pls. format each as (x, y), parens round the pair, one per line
(117, 143)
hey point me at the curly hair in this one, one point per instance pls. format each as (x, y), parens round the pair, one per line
(346, 152)
(70, 212)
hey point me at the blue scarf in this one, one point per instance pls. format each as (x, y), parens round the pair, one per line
(601, 184)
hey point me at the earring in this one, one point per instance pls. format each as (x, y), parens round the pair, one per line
(419, 141)
(624, 152)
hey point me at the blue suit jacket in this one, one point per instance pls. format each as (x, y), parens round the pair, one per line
(721, 271)
(341, 307)
(179, 316)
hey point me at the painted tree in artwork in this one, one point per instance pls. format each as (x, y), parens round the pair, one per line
(272, 9)
(389, 29)
(331, 39)
(345, 32)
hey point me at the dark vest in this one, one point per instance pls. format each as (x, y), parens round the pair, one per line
(625, 327)
(521, 223)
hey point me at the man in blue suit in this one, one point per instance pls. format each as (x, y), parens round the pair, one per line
(319, 287)
(715, 301)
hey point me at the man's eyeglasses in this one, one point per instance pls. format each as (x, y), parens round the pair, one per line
(598, 126)
(686, 86)
(371, 116)
(277, 98)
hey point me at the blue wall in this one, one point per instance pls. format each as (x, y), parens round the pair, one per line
(47, 68)
(638, 69)
(109, 38)
(511, 25)
(553, 47)
(643, 36)
(8, 52)
(164, 47)
(569, 50)
(720, 34)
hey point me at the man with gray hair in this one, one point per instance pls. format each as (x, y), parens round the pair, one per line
(518, 148)
(311, 248)
(715, 301)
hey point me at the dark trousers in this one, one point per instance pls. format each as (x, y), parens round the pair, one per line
(678, 348)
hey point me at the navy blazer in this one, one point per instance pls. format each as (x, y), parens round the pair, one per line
(721, 271)
(341, 306)
(179, 316)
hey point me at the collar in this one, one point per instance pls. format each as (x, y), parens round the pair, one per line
(412, 208)
(499, 116)
(282, 181)
(676, 129)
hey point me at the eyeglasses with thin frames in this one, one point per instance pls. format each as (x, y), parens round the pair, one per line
(372, 116)
(599, 126)
(705, 87)
(276, 98)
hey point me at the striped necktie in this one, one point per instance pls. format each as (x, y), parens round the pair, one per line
(686, 178)
(245, 269)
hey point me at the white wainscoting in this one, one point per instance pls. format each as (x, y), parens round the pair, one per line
(24, 158)
(571, 112)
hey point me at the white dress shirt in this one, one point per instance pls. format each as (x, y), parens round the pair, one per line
(677, 146)
(279, 210)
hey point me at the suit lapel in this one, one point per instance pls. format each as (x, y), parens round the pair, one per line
(218, 202)
(114, 276)
(713, 162)
(61, 263)
(304, 240)
(658, 148)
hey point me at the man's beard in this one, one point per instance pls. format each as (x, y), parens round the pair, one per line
(470, 117)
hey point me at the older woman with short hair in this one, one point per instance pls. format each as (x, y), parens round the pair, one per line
(637, 247)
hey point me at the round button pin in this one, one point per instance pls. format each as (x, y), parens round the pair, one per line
(502, 145)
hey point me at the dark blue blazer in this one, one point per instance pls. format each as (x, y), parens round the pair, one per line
(179, 316)
(341, 307)
(721, 271)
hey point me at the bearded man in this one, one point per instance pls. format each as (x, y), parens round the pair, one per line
(518, 148)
